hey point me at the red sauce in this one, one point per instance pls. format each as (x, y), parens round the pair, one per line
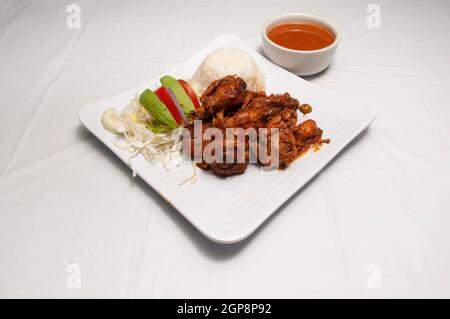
(301, 36)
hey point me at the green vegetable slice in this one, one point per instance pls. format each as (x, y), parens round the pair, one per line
(150, 101)
(185, 101)
(159, 127)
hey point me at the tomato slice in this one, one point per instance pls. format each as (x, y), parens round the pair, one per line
(190, 91)
(164, 96)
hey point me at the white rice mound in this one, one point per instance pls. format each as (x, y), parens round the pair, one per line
(227, 61)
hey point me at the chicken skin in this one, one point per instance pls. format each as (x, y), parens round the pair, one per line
(222, 95)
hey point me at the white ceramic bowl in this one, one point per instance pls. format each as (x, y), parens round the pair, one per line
(298, 61)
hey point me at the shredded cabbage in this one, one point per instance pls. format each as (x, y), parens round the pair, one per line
(135, 124)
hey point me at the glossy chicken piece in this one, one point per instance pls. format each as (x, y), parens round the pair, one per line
(260, 110)
(228, 169)
(197, 142)
(226, 104)
(222, 95)
(275, 111)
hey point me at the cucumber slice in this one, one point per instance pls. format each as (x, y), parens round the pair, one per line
(159, 111)
(185, 101)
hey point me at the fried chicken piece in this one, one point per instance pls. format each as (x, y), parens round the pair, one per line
(197, 142)
(275, 111)
(222, 95)
(296, 140)
(226, 104)
(229, 150)
(228, 169)
(260, 110)
(306, 130)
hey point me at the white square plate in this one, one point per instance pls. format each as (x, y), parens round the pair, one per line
(229, 210)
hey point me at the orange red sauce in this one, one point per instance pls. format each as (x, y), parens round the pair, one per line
(301, 36)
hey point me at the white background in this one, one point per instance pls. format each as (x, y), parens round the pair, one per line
(65, 199)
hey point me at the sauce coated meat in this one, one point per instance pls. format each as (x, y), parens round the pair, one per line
(227, 104)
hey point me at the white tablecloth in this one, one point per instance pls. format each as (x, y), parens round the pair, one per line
(74, 223)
